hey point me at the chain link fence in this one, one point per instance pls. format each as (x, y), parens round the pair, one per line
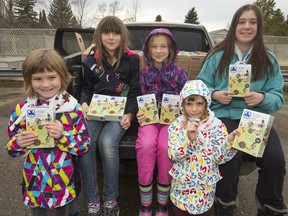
(277, 44)
(15, 44)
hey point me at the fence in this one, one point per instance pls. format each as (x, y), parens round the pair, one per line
(19, 42)
(277, 44)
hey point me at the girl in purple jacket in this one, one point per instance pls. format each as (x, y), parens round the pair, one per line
(161, 75)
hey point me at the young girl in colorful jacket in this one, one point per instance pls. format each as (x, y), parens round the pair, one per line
(50, 176)
(198, 143)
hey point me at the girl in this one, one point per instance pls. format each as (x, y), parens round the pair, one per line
(50, 175)
(161, 75)
(244, 44)
(198, 142)
(111, 69)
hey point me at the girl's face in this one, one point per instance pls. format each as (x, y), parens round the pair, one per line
(46, 84)
(195, 109)
(159, 49)
(111, 41)
(246, 29)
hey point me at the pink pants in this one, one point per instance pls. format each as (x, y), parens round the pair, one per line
(152, 148)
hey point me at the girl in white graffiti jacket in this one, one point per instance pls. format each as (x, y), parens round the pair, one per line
(198, 142)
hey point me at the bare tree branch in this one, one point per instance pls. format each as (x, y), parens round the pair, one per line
(133, 13)
(115, 8)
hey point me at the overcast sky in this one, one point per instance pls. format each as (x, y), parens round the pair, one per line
(213, 14)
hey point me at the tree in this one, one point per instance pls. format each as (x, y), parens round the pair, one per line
(281, 29)
(43, 22)
(131, 15)
(270, 17)
(80, 7)
(25, 16)
(192, 17)
(61, 14)
(102, 10)
(6, 14)
(115, 8)
(158, 18)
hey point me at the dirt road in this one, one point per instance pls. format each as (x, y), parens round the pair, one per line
(10, 170)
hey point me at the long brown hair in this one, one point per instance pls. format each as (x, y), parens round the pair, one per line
(259, 55)
(106, 25)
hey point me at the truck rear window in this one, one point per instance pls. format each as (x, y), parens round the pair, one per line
(189, 41)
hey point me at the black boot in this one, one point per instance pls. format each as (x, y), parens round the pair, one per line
(270, 211)
(223, 209)
(267, 210)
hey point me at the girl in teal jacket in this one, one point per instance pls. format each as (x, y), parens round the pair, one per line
(244, 45)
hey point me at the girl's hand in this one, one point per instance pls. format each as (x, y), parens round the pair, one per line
(232, 136)
(253, 98)
(85, 108)
(55, 129)
(222, 97)
(126, 121)
(26, 138)
(140, 116)
(192, 130)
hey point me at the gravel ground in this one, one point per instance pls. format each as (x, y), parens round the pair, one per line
(10, 169)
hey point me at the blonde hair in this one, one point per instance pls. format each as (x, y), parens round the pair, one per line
(41, 60)
(106, 25)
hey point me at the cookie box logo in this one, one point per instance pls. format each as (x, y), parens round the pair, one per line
(166, 99)
(233, 69)
(247, 115)
(31, 113)
(141, 100)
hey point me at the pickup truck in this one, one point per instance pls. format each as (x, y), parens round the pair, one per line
(190, 38)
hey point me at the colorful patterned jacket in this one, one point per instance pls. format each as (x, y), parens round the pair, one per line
(195, 164)
(51, 176)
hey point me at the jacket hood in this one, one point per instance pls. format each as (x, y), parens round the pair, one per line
(163, 31)
(195, 87)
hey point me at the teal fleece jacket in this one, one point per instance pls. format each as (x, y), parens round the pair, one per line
(270, 86)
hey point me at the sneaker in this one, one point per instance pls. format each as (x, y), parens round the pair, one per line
(94, 209)
(111, 208)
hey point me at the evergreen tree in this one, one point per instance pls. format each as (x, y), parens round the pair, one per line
(158, 18)
(61, 14)
(43, 22)
(192, 17)
(25, 16)
(270, 17)
(6, 14)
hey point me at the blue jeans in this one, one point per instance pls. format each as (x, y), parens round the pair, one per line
(107, 135)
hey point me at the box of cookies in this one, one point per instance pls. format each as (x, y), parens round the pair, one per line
(147, 104)
(170, 108)
(36, 119)
(254, 128)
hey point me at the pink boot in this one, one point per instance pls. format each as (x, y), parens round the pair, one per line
(161, 210)
(161, 213)
(145, 211)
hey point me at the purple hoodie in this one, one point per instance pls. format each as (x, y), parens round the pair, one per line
(170, 79)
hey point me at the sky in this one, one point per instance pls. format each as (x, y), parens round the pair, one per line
(213, 14)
